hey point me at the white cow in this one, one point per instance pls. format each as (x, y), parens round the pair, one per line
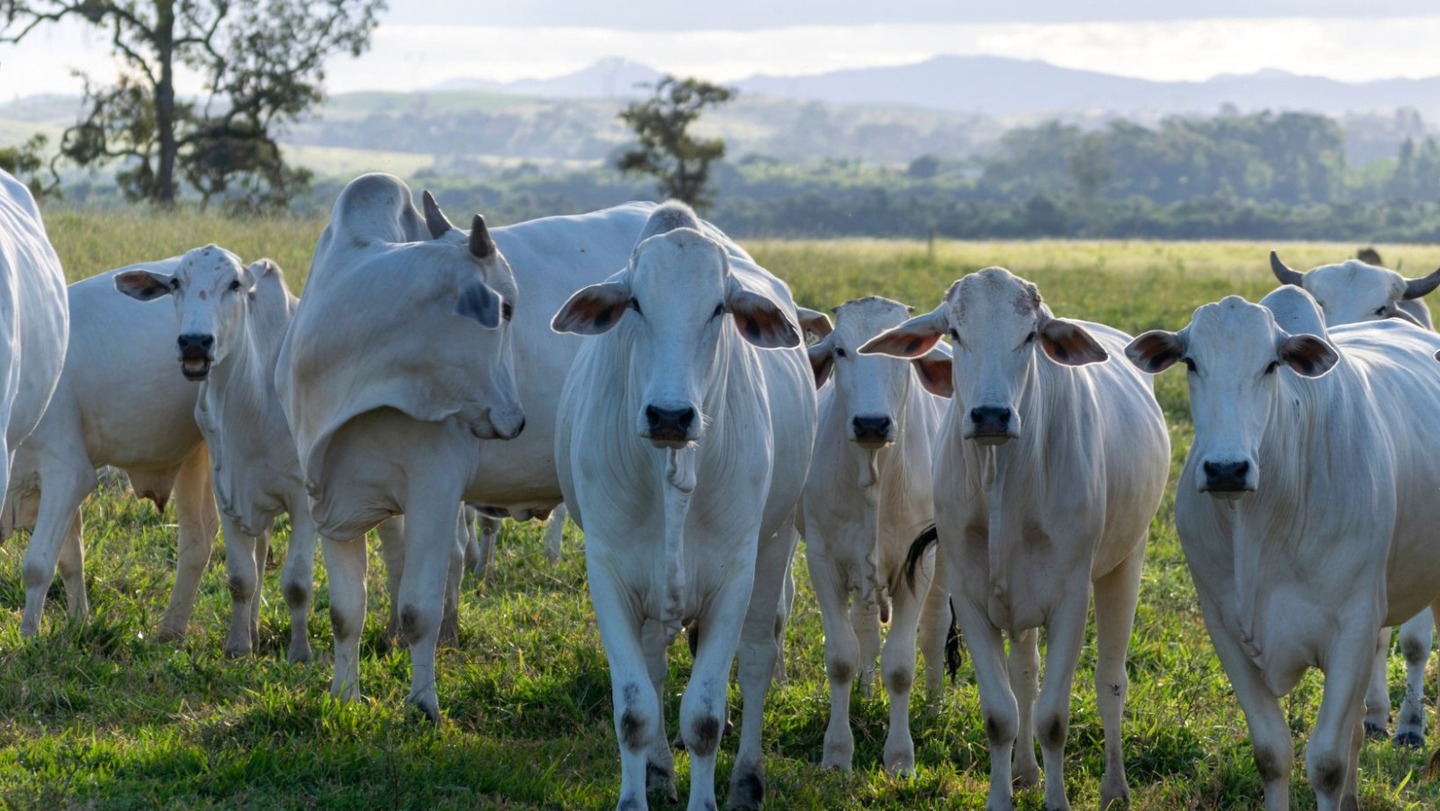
(390, 395)
(1048, 470)
(867, 496)
(231, 319)
(34, 319)
(1353, 292)
(682, 448)
(119, 402)
(1307, 511)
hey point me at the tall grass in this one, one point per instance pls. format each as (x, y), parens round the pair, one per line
(96, 715)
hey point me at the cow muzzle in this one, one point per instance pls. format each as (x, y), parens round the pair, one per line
(1227, 478)
(197, 352)
(872, 430)
(498, 425)
(992, 425)
(670, 426)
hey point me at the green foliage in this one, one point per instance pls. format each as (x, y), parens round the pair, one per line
(667, 150)
(97, 715)
(263, 66)
(26, 160)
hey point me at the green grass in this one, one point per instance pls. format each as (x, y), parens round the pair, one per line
(97, 716)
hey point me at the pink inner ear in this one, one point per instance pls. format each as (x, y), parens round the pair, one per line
(1069, 344)
(936, 376)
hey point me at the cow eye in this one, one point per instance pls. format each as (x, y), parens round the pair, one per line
(1189, 363)
(719, 310)
(1274, 364)
(175, 283)
(1031, 337)
(839, 351)
(635, 305)
(507, 311)
(954, 335)
(1382, 312)
(235, 285)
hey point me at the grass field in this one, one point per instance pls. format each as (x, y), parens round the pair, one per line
(97, 716)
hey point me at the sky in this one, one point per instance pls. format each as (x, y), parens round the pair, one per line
(421, 43)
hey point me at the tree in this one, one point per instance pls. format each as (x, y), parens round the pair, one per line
(262, 65)
(28, 159)
(667, 150)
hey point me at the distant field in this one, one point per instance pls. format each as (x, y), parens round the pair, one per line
(99, 717)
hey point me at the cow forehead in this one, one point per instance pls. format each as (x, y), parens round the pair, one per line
(1353, 277)
(1232, 328)
(679, 264)
(209, 260)
(864, 318)
(993, 296)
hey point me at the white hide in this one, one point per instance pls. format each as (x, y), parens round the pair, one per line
(682, 449)
(1352, 291)
(1049, 467)
(120, 402)
(379, 377)
(243, 312)
(34, 319)
(867, 496)
(1307, 511)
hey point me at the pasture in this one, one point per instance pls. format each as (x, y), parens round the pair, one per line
(97, 716)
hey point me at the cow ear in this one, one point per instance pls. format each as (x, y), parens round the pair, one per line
(1308, 355)
(760, 320)
(592, 310)
(1068, 344)
(934, 370)
(909, 340)
(144, 285)
(480, 302)
(1155, 351)
(814, 322)
(822, 360)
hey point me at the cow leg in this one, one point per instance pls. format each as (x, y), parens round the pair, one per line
(1064, 637)
(897, 667)
(933, 630)
(997, 700)
(842, 653)
(782, 619)
(660, 770)
(555, 533)
(1327, 757)
(429, 550)
(637, 706)
(262, 562)
(757, 665)
(391, 532)
(485, 542)
(1023, 667)
(297, 577)
(1416, 638)
(62, 488)
(243, 563)
(865, 618)
(1269, 733)
(72, 569)
(1377, 697)
(450, 614)
(194, 540)
(345, 563)
(1116, 595)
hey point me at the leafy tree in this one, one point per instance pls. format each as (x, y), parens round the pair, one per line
(667, 150)
(262, 64)
(26, 160)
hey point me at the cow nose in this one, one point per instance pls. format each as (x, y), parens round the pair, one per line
(990, 418)
(669, 423)
(1227, 476)
(196, 345)
(871, 428)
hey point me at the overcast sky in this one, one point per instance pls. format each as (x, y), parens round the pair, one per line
(423, 42)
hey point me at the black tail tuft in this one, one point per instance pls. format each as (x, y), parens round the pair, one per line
(917, 551)
(952, 645)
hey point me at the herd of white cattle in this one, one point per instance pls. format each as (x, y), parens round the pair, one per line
(705, 422)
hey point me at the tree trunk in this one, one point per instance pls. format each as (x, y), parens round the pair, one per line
(165, 102)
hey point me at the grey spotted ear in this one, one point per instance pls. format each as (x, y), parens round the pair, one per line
(144, 285)
(1069, 344)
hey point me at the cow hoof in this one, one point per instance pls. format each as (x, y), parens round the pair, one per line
(659, 779)
(1376, 731)
(1410, 740)
(430, 710)
(747, 788)
(166, 636)
(299, 653)
(1114, 800)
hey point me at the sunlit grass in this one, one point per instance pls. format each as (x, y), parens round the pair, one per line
(99, 716)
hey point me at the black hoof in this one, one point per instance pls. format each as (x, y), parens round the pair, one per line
(1410, 740)
(1376, 732)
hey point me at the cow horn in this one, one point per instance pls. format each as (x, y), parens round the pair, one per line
(1415, 288)
(481, 245)
(1284, 273)
(435, 219)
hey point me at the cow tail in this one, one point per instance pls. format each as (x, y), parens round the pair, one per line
(917, 551)
(952, 644)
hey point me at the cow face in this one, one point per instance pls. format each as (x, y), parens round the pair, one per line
(872, 389)
(675, 300)
(211, 290)
(995, 321)
(1233, 351)
(1352, 291)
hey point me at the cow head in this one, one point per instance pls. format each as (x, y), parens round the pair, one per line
(872, 389)
(1233, 350)
(1352, 291)
(677, 299)
(995, 321)
(211, 289)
